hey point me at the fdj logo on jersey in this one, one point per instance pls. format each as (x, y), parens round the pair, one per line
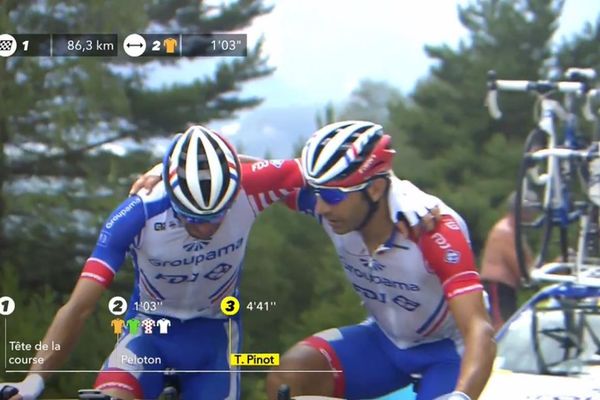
(401, 301)
(178, 278)
(217, 272)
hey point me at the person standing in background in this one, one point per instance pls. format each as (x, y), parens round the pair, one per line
(500, 272)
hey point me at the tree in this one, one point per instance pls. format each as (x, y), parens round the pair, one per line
(581, 50)
(370, 101)
(464, 156)
(57, 116)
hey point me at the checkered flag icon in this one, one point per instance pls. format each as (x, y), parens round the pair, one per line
(6, 44)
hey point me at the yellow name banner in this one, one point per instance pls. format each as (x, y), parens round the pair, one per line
(254, 359)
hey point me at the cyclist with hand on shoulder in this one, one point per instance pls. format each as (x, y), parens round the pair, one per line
(423, 293)
(187, 240)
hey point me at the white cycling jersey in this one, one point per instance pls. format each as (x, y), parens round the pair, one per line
(177, 275)
(406, 284)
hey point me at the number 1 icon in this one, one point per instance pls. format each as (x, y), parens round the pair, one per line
(7, 305)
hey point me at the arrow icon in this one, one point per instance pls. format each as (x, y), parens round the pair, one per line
(134, 45)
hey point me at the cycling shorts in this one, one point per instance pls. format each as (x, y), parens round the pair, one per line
(373, 366)
(199, 344)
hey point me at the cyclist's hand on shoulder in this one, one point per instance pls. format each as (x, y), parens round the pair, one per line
(413, 210)
(456, 395)
(28, 389)
(147, 181)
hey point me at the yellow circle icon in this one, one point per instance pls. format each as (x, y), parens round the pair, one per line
(230, 306)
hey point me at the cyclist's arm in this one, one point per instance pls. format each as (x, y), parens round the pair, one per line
(268, 181)
(473, 322)
(67, 325)
(449, 254)
(64, 331)
(117, 233)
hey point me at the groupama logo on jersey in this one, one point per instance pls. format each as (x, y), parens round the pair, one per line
(195, 246)
(380, 280)
(135, 200)
(198, 258)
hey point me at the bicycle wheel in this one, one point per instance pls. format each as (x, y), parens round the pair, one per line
(536, 229)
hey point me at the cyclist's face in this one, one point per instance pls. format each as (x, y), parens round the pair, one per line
(346, 215)
(201, 231)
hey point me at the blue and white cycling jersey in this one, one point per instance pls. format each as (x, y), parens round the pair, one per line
(184, 276)
(406, 283)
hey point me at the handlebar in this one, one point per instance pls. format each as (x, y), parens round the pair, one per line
(580, 74)
(541, 88)
(563, 153)
(7, 392)
(283, 393)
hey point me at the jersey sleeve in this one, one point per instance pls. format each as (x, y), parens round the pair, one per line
(268, 181)
(117, 234)
(448, 254)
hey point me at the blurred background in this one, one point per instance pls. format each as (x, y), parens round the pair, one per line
(75, 132)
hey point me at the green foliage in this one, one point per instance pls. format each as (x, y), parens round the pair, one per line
(33, 314)
(464, 157)
(59, 182)
(370, 101)
(59, 179)
(327, 117)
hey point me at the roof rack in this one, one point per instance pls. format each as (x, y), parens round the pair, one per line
(574, 272)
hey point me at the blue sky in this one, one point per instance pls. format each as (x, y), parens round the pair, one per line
(323, 48)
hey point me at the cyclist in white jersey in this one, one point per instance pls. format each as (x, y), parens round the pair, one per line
(187, 239)
(423, 294)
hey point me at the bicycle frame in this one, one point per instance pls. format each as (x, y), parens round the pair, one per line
(556, 197)
(557, 208)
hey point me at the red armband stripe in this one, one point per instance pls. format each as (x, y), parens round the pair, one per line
(99, 271)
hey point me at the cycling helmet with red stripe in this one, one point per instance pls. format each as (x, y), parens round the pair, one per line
(346, 154)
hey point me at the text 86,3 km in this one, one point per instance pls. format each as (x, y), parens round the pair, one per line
(85, 45)
(88, 45)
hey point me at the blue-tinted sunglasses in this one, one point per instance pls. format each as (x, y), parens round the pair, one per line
(333, 196)
(198, 219)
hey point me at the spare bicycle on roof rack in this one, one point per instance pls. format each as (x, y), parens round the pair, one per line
(558, 182)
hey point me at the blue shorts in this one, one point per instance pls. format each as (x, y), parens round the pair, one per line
(192, 345)
(373, 366)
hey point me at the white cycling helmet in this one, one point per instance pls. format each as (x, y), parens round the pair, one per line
(346, 154)
(201, 172)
